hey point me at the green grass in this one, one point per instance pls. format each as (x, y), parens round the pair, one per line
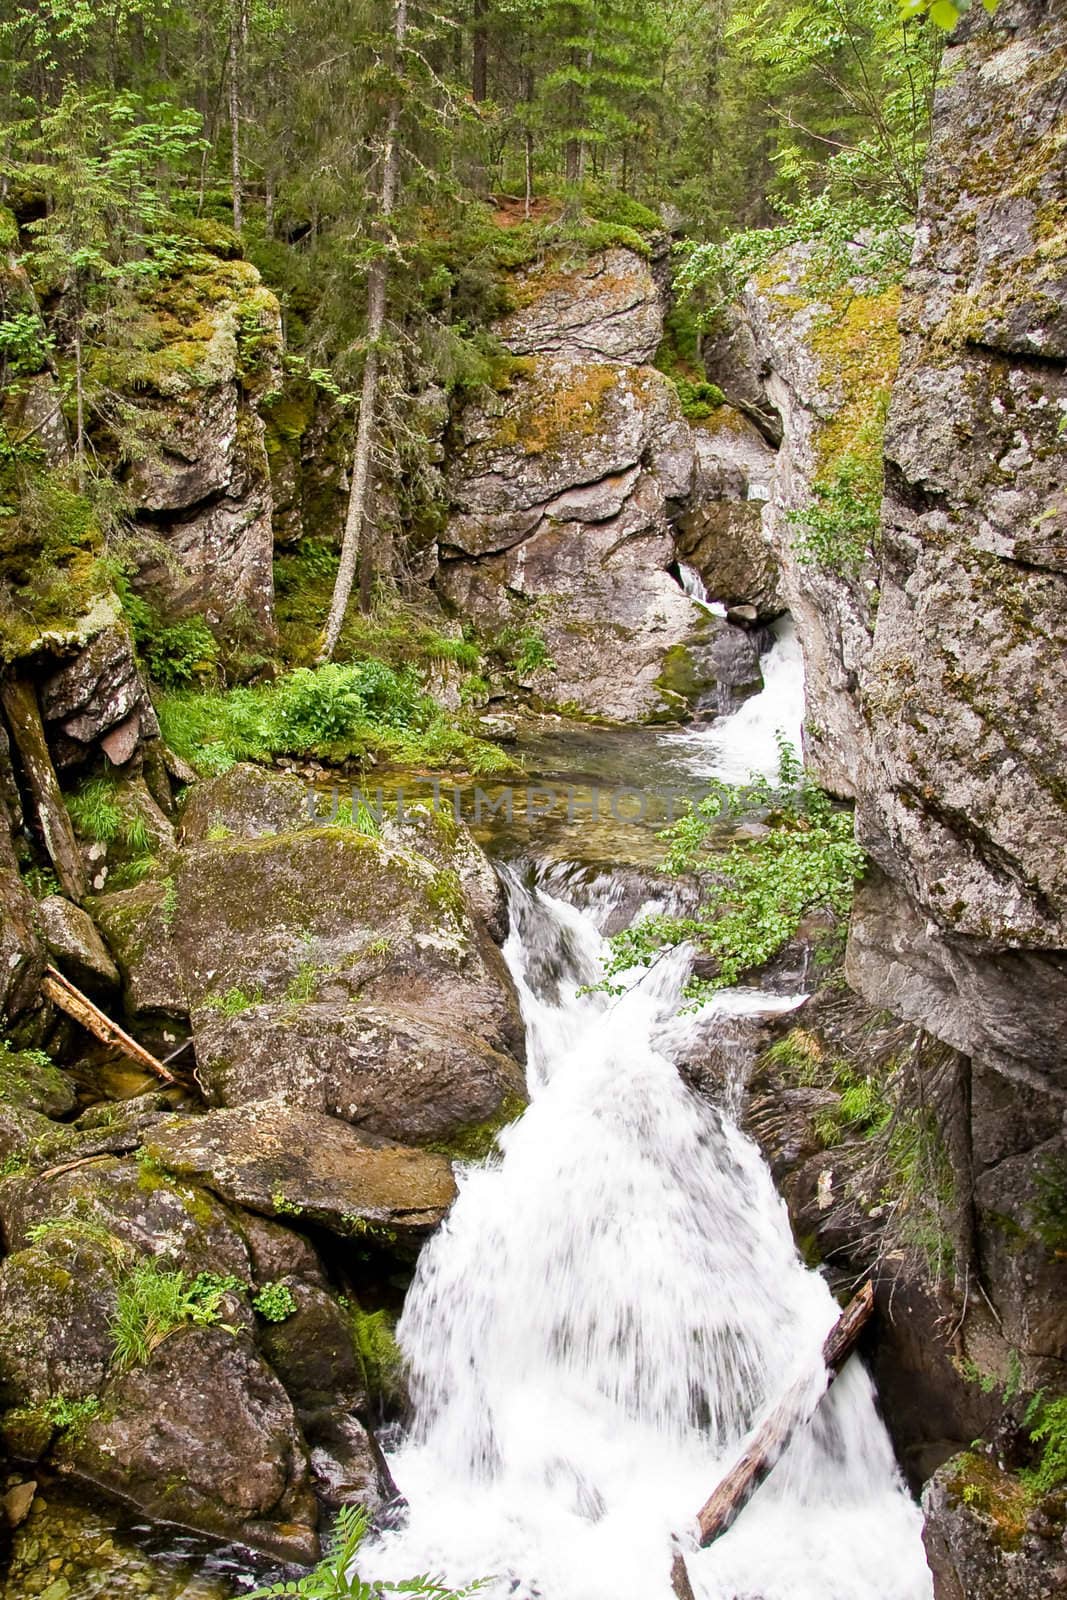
(153, 1302)
(232, 1002)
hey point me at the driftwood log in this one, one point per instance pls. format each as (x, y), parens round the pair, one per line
(771, 1439)
(63, 994)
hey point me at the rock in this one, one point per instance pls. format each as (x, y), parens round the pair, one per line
(281, 1161)
(17, 1503)
(74, 943)
(606, 305)
(250, 802)
(1022, 1243)
(825, 358)
(720, 533)
(313, 1353)
(22, 954)
(976, 1537)
(56, 1307)
(145, 1211)
(28, 1079)
(99, 694)
(962, 797)
(743, 616)
(223, 1456)
(278, 1252)
(565, 490)
(333, 913)
(137, 924)
(734, 360)
(386, 1070)
(203, 500)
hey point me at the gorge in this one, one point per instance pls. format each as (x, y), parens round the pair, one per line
(519, 1151)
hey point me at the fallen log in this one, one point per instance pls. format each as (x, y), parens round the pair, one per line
(19, 699)
(745, 1477)
(63, 994)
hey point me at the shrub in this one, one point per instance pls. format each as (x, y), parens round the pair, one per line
(1047, 1422)
(761, 890)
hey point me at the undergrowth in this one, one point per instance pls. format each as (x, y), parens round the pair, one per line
(153, 1302)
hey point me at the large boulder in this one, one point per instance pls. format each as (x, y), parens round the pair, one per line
(223, 1454)
(313, 961)
(564, 491)
(283, 1161)
(388, 1070)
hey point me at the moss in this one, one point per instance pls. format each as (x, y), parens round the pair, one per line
(552, 412)
(998, 1498)
(479, 1140)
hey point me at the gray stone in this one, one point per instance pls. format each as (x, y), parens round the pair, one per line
(224, 1456)
(606, 304)
(73, 942)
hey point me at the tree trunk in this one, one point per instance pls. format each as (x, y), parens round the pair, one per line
(745, 1477)
(24, 719)
(479, 52)
(356, 542)
(238, 27)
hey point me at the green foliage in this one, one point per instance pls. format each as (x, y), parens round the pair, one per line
(336, 1578)
(1047, 1422)
(523, 647)
(275, 1302)
(99, 811)
(1050, 1204)
(943, 14)
(71, 1416)
(374, 1338)
(837, 529)
(761, 889)
(153, 1302)
(233, 1002)
(335, 712)
(24, 342)
(285, 1207)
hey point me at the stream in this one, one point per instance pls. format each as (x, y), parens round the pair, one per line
(615, 1300)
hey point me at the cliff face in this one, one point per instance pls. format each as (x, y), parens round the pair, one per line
(934, 646)
(963, 785)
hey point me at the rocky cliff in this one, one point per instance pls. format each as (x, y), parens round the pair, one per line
(934, 637)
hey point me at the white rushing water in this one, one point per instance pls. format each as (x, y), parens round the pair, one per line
(693, 585)
(607, 1309)
(733, 747)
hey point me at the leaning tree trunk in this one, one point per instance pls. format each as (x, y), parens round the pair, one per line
(356, 546)
(238, 35)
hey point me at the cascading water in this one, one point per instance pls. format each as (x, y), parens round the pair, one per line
(610, 1305)
(694, 587)
(734, 747)
(616, 1299)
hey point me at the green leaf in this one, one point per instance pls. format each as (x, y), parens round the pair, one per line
(944, 14)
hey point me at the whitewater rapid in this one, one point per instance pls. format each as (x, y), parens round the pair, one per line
(611, 1304)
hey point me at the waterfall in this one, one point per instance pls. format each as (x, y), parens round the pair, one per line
(609, 1307)
(732, 748)
(693, 585)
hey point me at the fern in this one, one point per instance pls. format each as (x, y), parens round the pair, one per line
(336, 1578)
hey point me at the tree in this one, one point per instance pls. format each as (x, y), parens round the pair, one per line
(356, 543)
